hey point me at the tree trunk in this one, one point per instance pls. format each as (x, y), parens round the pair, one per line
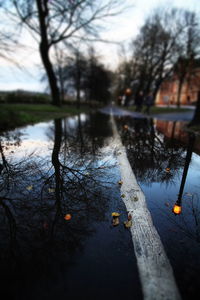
(180, 85)
(57, 167)
(55, 158)
(62, 90)
(196, 118)
(44, 52)
(157, 87)
(186, 165)
(78, 96)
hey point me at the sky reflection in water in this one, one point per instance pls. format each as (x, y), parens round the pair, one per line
(50, 170)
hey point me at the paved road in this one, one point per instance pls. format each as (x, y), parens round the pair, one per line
(182, 116)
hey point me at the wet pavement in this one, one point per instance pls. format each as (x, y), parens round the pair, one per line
(67, 167)
(180, 116)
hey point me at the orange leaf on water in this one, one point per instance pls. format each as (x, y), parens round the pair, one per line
(67, 217)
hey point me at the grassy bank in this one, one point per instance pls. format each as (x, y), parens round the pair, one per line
(161, 110)
(15, 115)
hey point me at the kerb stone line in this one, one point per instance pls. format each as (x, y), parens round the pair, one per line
(156, 274)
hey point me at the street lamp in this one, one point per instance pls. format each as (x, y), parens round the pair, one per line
(177, 206)
(128, 92)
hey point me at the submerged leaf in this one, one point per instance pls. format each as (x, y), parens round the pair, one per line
(29, 188)
(45, 225)
(129, 222)
(67, 217)
(188, 194)
(135, 198)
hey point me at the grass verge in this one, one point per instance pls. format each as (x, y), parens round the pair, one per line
(161, 110)
(16, 115)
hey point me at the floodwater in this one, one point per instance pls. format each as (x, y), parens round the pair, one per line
(68, 167)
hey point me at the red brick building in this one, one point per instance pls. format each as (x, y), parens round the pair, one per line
(176, 130)
(168, 92)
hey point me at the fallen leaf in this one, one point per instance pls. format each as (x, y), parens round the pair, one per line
(135, 198)
(51, 190)
(115, 214)
(123, 196)
(115, 221)
(128, 223)
(120, 182)
(167, 169)
(29, 188)
(125, 127)
(129, 217)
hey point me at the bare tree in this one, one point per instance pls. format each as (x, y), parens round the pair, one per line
(57, 21)
(155, 48)
(6, 41)
(165, 37)
(190, 50)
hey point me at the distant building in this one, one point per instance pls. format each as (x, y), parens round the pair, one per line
(176, 131)
(168, 92)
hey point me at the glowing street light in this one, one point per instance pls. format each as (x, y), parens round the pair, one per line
(128, 92)
(177, 208)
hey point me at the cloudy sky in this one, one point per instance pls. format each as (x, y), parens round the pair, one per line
(122, 29)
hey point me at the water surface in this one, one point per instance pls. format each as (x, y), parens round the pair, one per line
(68, 166)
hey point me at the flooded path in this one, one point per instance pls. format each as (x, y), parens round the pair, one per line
(58, 189)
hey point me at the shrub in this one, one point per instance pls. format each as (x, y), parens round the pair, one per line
(20, 97)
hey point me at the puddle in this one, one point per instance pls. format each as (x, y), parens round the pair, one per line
(50, 170)
(166, 163)
(65, 167)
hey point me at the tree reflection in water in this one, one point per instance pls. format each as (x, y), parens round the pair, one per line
(159, 162)
(156, 158)
(37, 193)
(153, 157)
